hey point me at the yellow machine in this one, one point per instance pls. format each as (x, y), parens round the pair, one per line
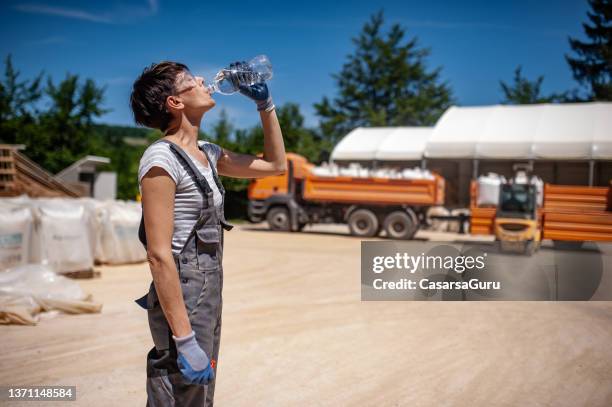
(517, 224)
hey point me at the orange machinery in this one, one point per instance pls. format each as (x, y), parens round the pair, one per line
(576, 213)
(569, 213)
(368, 205)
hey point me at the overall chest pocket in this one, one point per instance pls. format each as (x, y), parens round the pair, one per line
(208, 240)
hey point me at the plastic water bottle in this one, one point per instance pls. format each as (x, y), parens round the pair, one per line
(259, 70)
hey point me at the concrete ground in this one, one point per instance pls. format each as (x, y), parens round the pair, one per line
(295, 333)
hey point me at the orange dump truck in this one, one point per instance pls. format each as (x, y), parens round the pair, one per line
(367, 204)
(569, 213)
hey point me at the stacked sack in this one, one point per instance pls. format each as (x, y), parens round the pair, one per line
(68, 234)
(118, 224)
(16, 225)
(488, 189)
(355, 170)
(62, 235)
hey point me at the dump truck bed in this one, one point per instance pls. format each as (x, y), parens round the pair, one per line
(377, 191)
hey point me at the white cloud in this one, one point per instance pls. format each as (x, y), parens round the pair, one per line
(120, 14)
(63, 12)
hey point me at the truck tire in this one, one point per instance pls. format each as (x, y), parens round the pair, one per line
(363, 223)
(278, 219)
(400, 225)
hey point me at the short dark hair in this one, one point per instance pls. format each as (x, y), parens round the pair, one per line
(149, 93)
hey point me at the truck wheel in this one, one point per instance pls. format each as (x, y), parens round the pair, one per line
(400, 225)
(278, 219)
(363, 223)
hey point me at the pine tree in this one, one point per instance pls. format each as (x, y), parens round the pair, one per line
(524, 91)
(592, 64)
(384, 82)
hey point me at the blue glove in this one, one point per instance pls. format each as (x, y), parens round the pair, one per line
(240, 73)
(192, 360)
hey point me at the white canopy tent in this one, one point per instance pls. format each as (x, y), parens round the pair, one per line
(361, 143)
(457, 132)
(570, 131)
(382, 143)
(580, 131)
(404, 143)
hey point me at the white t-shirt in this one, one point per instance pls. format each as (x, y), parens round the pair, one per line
(188, 198)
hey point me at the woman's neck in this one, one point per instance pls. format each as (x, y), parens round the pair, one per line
(184, 132)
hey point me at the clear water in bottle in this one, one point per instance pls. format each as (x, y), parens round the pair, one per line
(259, 70)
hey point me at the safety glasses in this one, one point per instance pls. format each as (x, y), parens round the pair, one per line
(187, 83)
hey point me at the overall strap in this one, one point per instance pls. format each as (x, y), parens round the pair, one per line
(226, 225)
(192, 170)
(214, 171)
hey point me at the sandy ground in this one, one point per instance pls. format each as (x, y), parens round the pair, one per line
(295, 333)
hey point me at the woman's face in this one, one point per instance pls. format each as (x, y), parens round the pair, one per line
(192, 92)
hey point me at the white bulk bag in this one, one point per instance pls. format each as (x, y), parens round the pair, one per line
(62, 237)
(120, 243)
(15, 232)
(539, 185)
(95, 219)
(488, 189)
(438, 225)
(325, 170)
(27, 290)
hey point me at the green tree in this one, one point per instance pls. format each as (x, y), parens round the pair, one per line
(18, 106)
(592, 63)
(60, 134)
(223, 129)
(384, 82)
(524, 91)
(298, 138)
(68, 122)
(17, 98)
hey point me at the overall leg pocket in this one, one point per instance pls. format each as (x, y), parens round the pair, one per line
(160, 330)
(192, 285)
(208, 239)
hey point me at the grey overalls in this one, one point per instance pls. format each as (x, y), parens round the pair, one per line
(199, 265)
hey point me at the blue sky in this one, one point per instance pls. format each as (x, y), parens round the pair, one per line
(476, 43)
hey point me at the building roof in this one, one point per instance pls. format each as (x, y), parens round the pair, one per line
(539, 131)
(87, 163)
